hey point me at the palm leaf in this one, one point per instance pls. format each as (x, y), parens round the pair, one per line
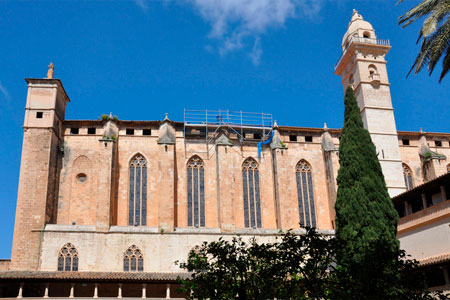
(434, 34)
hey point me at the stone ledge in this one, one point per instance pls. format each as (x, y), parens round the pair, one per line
(178, 230)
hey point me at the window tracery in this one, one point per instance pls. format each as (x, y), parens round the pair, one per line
(68, 258)
(305, 193)
(133, 260)
(407, 176)
(196, 192)
(138, 191)
(252, 202)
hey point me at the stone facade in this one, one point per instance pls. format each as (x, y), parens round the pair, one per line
(76, 186)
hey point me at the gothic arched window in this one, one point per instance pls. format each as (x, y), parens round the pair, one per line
(133, 260)
(68, 258)
(252, 202)
(407, 176)
(138, 191)
(196, 192)
(305, 193)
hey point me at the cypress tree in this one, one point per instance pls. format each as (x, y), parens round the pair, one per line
(366, 221)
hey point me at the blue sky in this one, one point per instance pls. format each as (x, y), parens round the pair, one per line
(140, 59)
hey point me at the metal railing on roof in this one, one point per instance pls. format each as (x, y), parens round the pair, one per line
(229, 118)
(206, 124)
(361, 40)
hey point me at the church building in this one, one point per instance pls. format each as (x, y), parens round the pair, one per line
(105, 207)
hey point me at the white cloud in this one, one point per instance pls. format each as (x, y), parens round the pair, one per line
(4, 91)
(234, 23)
(143, 4)
(256, 53)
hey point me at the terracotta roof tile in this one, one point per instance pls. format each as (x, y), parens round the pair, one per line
(432, 260)
(100, 276)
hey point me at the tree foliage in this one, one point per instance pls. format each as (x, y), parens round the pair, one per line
(434, 34)
(296, 267)
(366, 220)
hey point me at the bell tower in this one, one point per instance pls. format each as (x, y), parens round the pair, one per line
(363, 65)
(36, 198)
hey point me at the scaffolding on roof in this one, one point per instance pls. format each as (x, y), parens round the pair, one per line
(207, 123)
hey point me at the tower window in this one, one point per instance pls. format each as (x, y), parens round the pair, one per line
(74, 130)
(252, 202)
(438, 143)
(129, 131)
(308, 138)
(146, 132)
(292, 138)
(39, 115)
(405, 142)
(196, 192)
(92, 130)
(366, 34)
(305, 193)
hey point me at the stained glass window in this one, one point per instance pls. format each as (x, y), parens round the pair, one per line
(133, 260)
(407, 176)
(68, 258)
(305, 193)
(138, 191)
(196, 192)
(252, 202)
(448, 168)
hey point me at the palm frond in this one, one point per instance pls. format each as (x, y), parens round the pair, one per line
(417, 12)
(438, 45)
(434, 34)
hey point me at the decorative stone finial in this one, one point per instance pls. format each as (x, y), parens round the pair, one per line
(327, 141)
(166, 132)
(51, 70)
(355, 11)
(275, 125)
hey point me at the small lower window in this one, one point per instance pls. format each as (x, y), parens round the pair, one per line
(92, 130)
(74, 130)
(146, 132)
(68, 258)
(438, 143)
(405, 142)
(308, 139)
(133, 260)
(39, 114)
(292, 138)
(130, 131)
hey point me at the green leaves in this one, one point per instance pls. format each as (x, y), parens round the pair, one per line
(366, 221)
(296, 267)
(434, 34)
